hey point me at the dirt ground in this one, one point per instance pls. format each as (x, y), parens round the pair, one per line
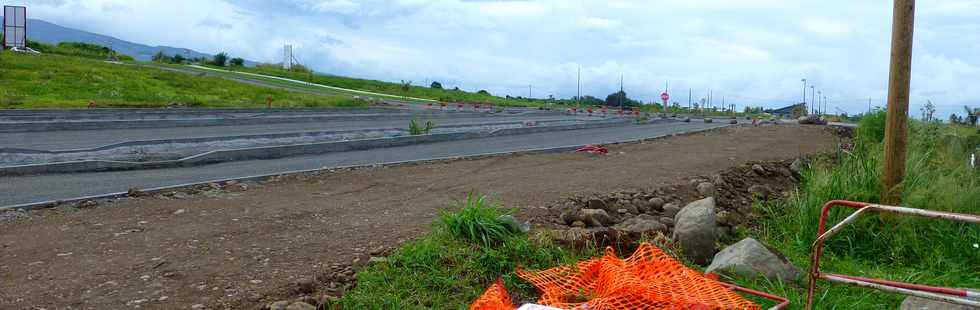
(223, 249)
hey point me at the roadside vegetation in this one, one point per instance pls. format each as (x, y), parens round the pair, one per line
(416, 128)
(451, 266)
(899, 248)
(52, 80)
(76, 49)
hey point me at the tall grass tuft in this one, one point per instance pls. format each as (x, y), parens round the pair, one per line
(477, 222)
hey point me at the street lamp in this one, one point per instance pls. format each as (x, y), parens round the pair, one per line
(804, 94)
(817, 107)
(813, 97)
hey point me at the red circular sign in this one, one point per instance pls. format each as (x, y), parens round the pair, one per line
(665, 96)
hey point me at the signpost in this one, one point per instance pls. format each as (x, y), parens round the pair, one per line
(665, 97)
(14, 27)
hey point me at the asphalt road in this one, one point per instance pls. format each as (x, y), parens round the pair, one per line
(30, 189)
(65, 140)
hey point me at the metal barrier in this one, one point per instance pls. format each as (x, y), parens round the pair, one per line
(950, 295)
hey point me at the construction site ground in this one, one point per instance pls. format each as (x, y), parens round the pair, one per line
(223, 248)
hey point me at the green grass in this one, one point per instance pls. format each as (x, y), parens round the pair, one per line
(454, 264)
(420, 91)
(57, 81)
(905, 249)
(77, 49)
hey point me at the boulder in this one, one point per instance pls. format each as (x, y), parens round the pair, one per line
(708, 120)
(696, 230)
(514, 224)
(687, 119)
(671, 209)
(749, 258)
(655, 204)
(706, 189)
(596, 203)
(796, 166)
(641, 224)
(595, 217)
(279, 305)
(759, 170)
(301, 306)
(918, 303)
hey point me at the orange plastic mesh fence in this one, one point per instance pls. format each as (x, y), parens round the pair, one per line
(649, 279)
(496, 298)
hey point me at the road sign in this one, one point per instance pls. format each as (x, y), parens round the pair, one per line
(665, 96)
(15, 26)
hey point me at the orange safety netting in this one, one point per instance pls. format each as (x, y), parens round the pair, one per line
(650, 279)
(495, 298)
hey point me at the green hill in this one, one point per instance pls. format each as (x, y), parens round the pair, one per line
(53, 80)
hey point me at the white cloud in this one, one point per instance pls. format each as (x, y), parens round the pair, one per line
(751, 52)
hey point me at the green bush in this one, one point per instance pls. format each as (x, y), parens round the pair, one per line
(476, 222)
(415, 129)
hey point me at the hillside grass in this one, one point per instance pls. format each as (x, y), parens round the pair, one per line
(58, 81)
(396, 89)
(467, 250)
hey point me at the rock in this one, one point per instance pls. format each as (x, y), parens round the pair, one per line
(656, 204)
(377, 260)
(760, 191)
(671, 209)
(696, 231)
(708, 120)
(749, 258)
(579, 224)
(622, 211)
(87, 204)
(514, 224)
(279, 305)
(640, 225)
(706, 189)
(179, 211)
(301, 306)
(796, 166)
(596, 203)
(304, 286)
(569, 216)
(595, 217)
(759, 170)
(687, 119)
(198, 306)
(719, 181)
(918, 303)
(727, 218)
(733, 122)
(668, 221)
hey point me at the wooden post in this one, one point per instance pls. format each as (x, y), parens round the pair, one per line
(896, 128)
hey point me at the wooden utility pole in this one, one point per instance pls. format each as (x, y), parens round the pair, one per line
(900, 75)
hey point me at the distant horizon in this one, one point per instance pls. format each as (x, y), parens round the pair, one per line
(753, 53)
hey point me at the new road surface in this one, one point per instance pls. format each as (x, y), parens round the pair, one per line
(51, 187)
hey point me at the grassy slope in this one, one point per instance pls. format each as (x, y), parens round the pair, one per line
(423, 91)
(444, 270)
(56, 81)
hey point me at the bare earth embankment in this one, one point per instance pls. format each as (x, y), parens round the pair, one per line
(222, 247)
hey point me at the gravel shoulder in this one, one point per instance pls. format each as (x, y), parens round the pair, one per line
(220, 248)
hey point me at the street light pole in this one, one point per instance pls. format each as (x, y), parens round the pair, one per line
(813, 98)
(804, 94)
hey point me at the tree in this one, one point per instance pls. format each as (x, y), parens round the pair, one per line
(971, 115)
(436, 85)
(483, 92)
(179, 59)
(237, 62)
(220, 60)
(159, 56)
(927, 111)
(620, 98)
(406, 85)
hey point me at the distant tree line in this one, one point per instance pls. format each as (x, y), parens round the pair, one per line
(971, 118)
(221, 59)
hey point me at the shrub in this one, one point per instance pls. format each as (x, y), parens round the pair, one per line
(415, 129)
(476, 222)
(220, 60)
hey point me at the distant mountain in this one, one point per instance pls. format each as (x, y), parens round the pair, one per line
(45, 32)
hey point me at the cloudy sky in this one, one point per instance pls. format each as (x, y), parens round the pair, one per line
(749, 52)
